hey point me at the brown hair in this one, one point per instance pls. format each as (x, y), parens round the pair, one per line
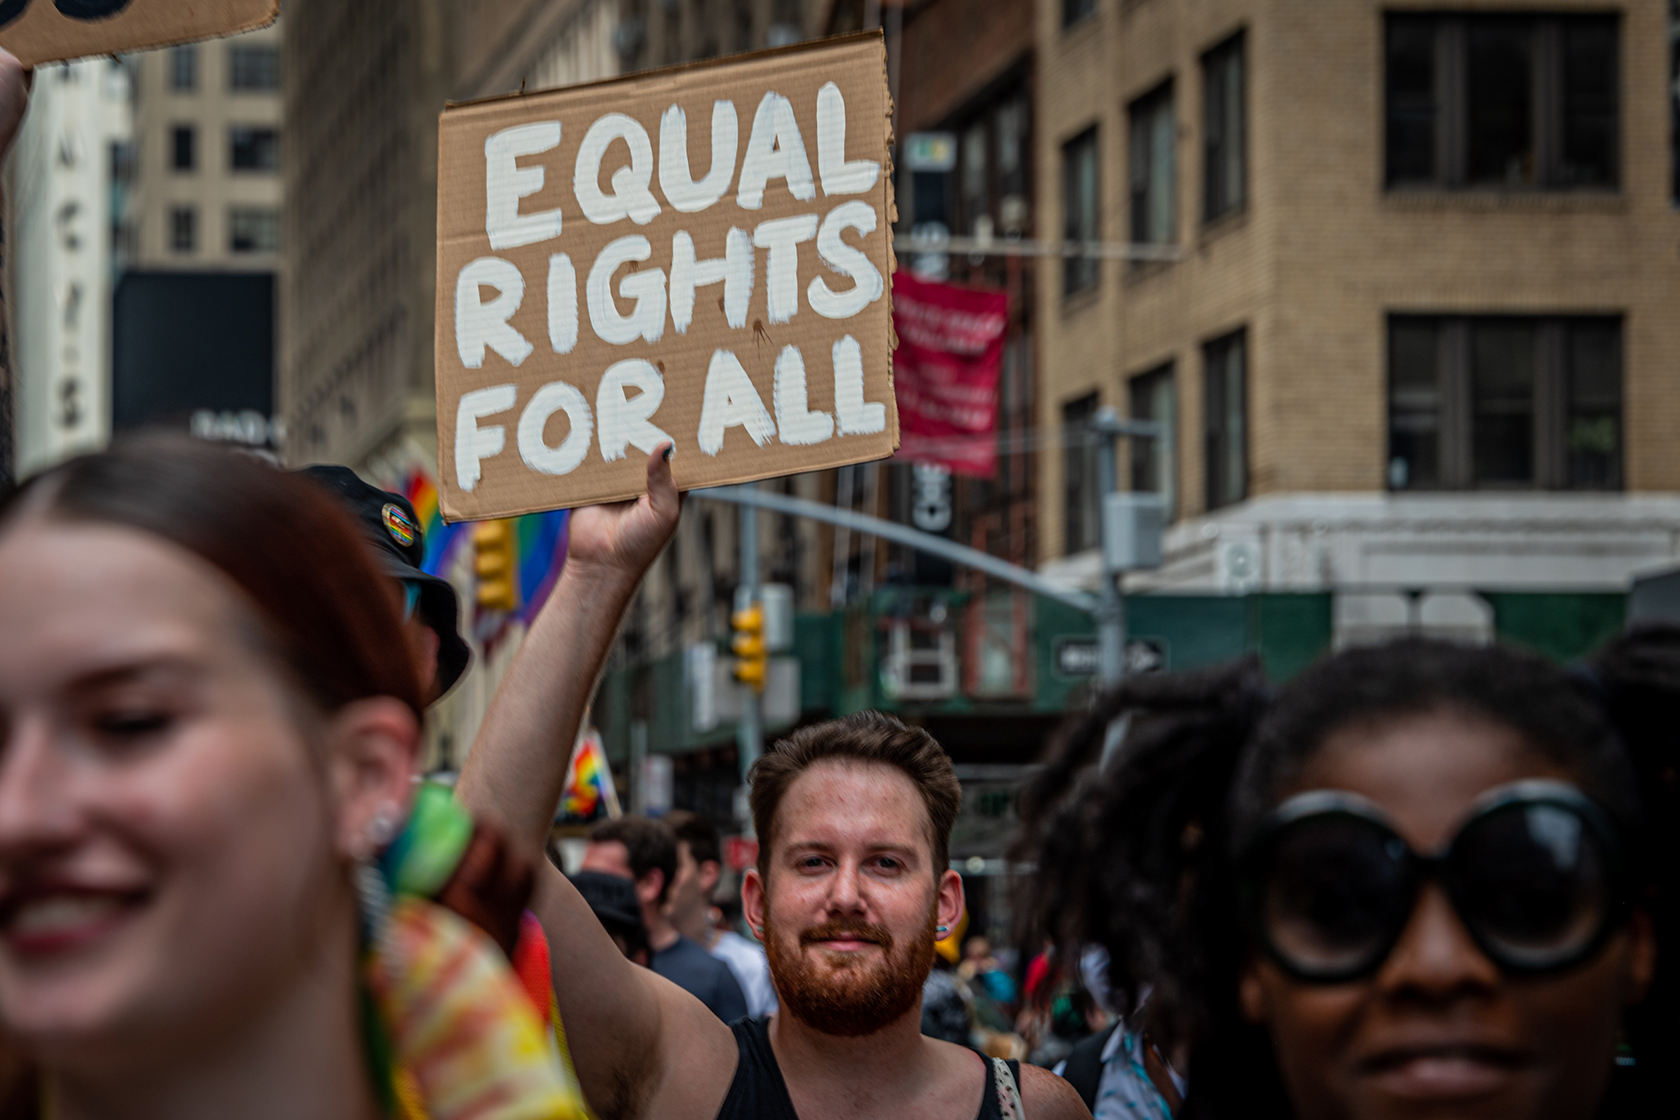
(283, 541)
(651, 845)
(698, 833)
(864, 737)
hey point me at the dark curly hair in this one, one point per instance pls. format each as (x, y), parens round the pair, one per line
(1135, 853)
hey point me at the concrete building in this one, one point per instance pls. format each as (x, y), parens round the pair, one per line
(62, 207)
(206, 178)
(1413, 341)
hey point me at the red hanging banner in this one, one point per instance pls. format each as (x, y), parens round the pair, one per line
(945, 373)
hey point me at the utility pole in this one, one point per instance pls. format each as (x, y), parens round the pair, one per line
(749, 735)
(1111, 599)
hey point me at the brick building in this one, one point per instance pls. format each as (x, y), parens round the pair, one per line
(1414, 341)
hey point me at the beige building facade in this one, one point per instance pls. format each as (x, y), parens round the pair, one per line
(205, 184)
(1416, 327)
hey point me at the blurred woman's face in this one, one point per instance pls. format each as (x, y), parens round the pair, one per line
(1439, 1030)
(166, 858)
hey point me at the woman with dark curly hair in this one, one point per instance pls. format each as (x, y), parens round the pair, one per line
(1421, 880)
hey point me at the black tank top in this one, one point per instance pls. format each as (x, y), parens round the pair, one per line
(759, 1093)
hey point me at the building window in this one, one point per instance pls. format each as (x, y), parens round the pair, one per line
(183, 229)
(974, 180)
(1674, 95)
(1224, 128)
(1081, 489)
(253, 68)
(1512, 101)
(1225, 409)
(1082, 206)
(988, 183)
(1013, 145)
(183, 68)
(254, 149)
(1075, 10)
(253, 229)
(183, 148)
(1154, 179)
(1503, 402)
(1154, 397)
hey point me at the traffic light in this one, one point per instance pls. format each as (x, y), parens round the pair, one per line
(493, 564)
(751, 656)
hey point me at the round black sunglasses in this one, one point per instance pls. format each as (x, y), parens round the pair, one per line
(1535, 874)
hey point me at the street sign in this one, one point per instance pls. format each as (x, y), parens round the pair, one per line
(1077, 657)
(1082, 657)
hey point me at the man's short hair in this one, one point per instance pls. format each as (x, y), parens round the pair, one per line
(697, 832)
(864, 737)
(650, 844)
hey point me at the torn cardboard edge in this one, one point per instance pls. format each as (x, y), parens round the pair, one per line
(639, 76)
(149, 44)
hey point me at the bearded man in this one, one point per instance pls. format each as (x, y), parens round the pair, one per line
(852, 888)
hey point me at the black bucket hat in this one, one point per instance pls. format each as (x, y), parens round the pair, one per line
(613, 900)
(388, 521)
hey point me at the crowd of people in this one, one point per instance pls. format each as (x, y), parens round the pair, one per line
(1418, 880)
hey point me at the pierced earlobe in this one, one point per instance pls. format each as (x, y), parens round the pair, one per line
(382, 828)
(942, 930)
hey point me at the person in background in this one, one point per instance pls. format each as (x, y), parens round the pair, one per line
(431, 610)
(947, 998)
(613, 899)
(1420, 880)
(644, 851)
(699, 865)
(430, 606)
(980, 967)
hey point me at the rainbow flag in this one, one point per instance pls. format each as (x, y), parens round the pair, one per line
(442, 539)
(589, 784)
(539, 544)
(540, 552)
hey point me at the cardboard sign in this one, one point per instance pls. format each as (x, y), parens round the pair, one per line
(40, 31)
(700, 254)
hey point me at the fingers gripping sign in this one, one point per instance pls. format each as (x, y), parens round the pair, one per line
(626, 537)
(38, 31)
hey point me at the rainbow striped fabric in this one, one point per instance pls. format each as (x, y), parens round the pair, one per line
(539, 544)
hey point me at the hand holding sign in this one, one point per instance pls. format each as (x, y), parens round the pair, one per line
(38, 31)
(596, 295)
(617, 543)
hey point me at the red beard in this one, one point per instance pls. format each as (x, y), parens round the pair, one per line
(849, 997)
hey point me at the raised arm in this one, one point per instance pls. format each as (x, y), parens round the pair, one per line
(642, 1046)
(517, 765)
